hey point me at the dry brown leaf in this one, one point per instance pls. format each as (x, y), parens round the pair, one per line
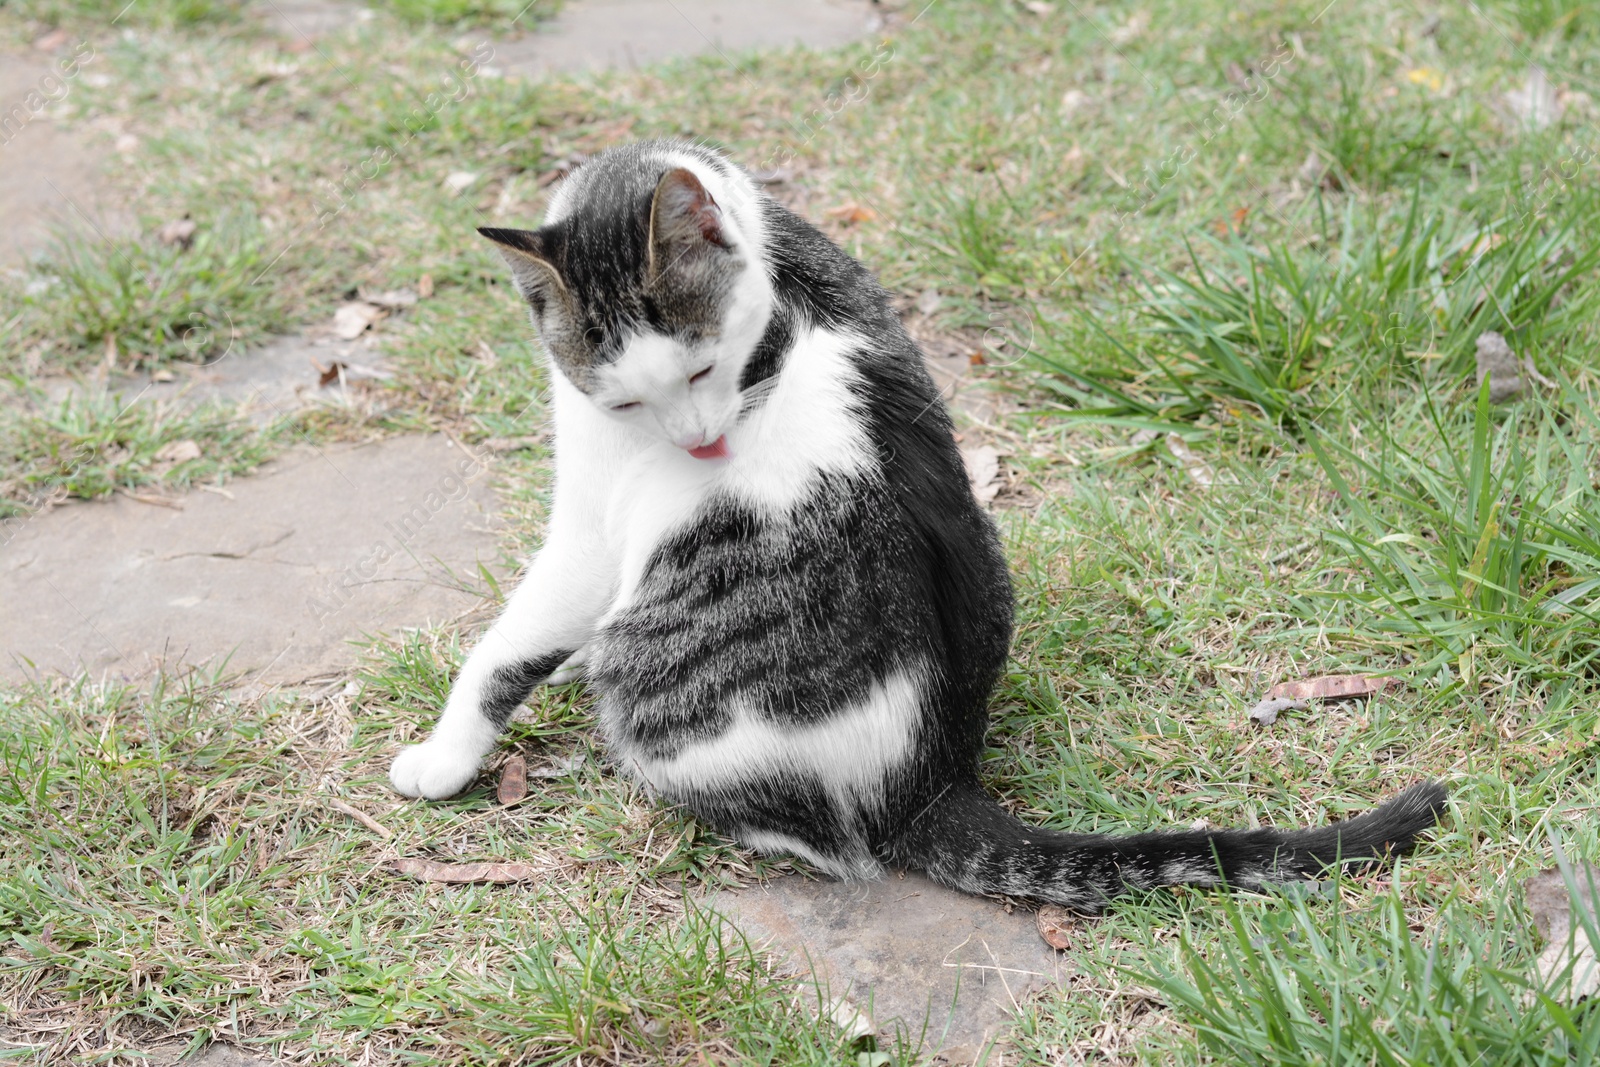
(51, 41)
(851, 212)
(425, 287)
(512, 444)
(156, 501)
(983, 471)
(178, 451)
(391, 299)
(360, 816)
(1196, 467)
(513, 780)
(352, 319)
(1266, 713)
(457, 182)
(461, 873)
(1055, 924)
(1569, 966)
(329, 374)
(558, 768)
(1333, 687)
(179, 232)
(1536, 104)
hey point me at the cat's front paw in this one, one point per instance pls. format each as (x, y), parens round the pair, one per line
(433, 770)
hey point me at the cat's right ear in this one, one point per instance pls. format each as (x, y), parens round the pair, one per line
(531, 266)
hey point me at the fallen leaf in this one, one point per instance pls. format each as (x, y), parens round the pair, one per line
(1569, 966)
(1332, 687)
(1055, 924)
(359, 816)
(51, 41)
(178, 232)
(1498, 364)
(458, 181)
(983, 471)
(512, 444)
(1533, 372)
(178, 452)
(425, 286)
(1312, 169)
(513, 780)
(1039, 7)
(929, 301)
(391, 299)
(365, 372)
(1535, 104)
(329, 374)
(460, 873)
(157, 501)
(558, 768)
(851, 212)
(1266, 712)
(976, 359)
(1197, 469)
(352, 319)
(126, 143)
(1071, 101)
(1130, 29)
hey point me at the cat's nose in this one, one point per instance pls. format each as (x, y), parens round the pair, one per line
(692, 439)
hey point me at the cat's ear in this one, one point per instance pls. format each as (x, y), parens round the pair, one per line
(684, 220)
(531, 265)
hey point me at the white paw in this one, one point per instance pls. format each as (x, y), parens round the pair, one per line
(432, 770)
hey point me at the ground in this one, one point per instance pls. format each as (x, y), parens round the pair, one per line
(1207, 282)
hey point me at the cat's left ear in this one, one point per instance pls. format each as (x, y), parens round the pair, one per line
(684, 221)
(531, 265)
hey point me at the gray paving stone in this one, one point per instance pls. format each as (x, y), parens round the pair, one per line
(902, 950)
(49, 175)
(589, 35)
(279, 574)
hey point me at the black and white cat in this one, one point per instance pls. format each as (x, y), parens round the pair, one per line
(766, 556)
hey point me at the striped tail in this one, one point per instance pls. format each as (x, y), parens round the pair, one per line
(965, 839)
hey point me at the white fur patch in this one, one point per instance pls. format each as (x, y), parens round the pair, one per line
(772, 844)
(811, 423)
(850, 752)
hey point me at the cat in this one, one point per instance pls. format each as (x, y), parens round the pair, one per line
(765, 554)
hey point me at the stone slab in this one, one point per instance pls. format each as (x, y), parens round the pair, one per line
(262, 383)
(49, 174)
(279, 574)
(902, 951)
(592, 35)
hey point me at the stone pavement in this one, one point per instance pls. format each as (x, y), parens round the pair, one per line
(941, 966)
(275, 573)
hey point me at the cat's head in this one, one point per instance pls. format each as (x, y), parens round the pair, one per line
(647, 287)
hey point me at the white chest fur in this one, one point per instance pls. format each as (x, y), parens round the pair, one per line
(631, 492)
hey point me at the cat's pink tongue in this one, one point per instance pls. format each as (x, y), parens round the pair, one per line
(717, 449)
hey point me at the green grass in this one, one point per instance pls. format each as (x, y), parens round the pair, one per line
(146, 303)
(1273, 229)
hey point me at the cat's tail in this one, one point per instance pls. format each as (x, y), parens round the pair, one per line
(965, 839)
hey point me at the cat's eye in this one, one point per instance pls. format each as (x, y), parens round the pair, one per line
(629, 406)
(701, 376)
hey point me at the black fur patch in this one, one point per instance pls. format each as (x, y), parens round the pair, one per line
(508, 687)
